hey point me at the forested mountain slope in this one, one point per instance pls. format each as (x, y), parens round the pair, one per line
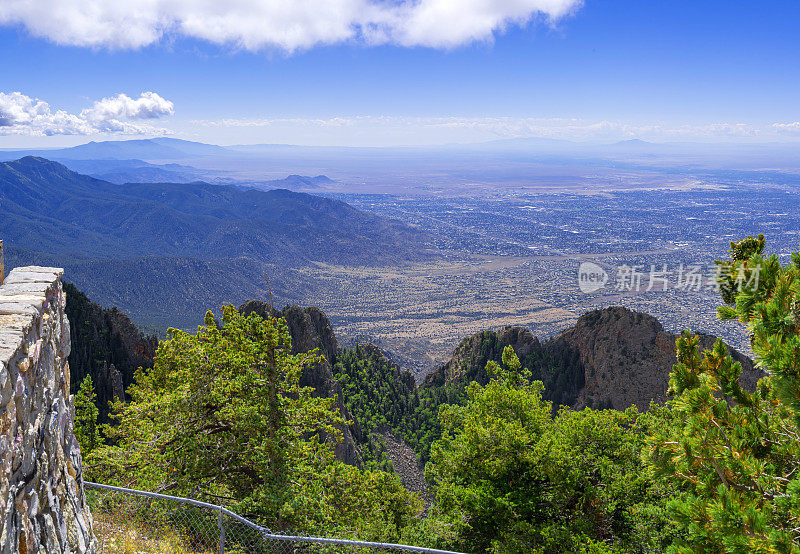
(105, 346)
(46, 207)
(612, 358)
(165, 253)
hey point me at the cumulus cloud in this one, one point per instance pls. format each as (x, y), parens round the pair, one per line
(148, 106)
(23, 115)
(448, 23)
(286, 25)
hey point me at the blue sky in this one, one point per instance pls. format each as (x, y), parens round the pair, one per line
(596, 71)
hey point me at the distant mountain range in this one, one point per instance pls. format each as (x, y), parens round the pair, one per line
(143, 149)
(153, 161)
(165, 150)
(540, 163)
(152, 248)
(120, 172)
(296, 182)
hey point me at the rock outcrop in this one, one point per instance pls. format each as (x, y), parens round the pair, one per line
(611, 358)
(468, 362)
(627, 357)
(42, 502)
(310, 329)
(408, 466)
(105, 345)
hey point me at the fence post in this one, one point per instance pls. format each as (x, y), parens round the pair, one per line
(221, 525)
(2, 265)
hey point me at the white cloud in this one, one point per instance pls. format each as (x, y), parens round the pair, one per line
(269, 24)
(787, 128)
(449, 23)
(148, 106)
(576, 129)
(23, 115)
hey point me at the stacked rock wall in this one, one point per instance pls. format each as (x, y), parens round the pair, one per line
(42, 502)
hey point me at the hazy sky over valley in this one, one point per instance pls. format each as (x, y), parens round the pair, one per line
(375, 72)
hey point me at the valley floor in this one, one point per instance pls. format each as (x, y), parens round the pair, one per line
(419, 313)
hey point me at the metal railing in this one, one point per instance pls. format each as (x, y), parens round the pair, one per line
(133, 521)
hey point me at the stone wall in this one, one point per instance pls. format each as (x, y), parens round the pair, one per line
(42, 504)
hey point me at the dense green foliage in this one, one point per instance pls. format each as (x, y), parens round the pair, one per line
(376, 392)
(425, 427)
(733, 451)
(510, 477)
(737, 453)
(221, 416)
(87, 417)
(380, 397)
(561, 377)
(556, 365)
(559, 370)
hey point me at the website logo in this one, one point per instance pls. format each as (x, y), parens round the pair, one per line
(591, 277)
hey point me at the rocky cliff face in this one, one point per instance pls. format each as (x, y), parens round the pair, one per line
(42, 502)
(627, 357)
(310, 328)
(612, 358)
(105, 345)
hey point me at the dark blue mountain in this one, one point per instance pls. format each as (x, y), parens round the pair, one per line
(165, 253)
(141, 149)
(46, 207)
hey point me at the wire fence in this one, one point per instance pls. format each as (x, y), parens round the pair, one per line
(128, 521)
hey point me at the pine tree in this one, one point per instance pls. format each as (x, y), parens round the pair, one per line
(736, 453)
(87, 429)
(222, 415)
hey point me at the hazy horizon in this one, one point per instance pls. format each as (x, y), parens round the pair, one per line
(72, 141)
